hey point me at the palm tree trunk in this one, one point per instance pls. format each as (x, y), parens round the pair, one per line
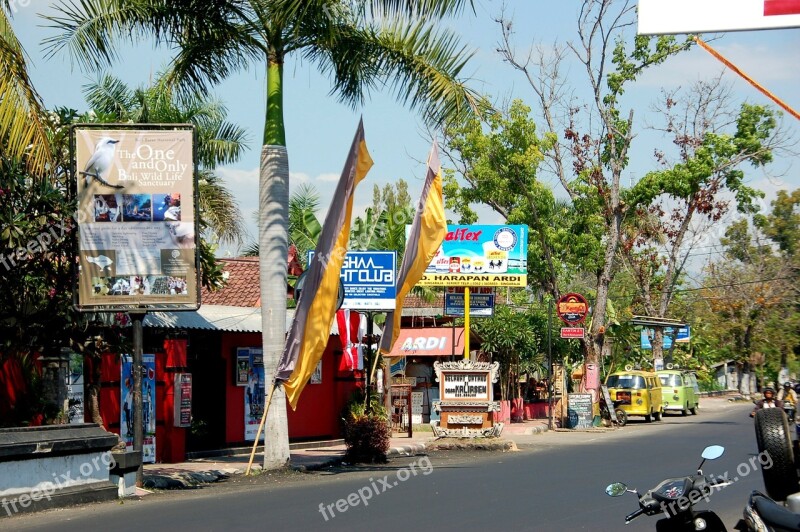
(273, 224)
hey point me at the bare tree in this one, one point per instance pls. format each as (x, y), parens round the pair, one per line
(595, 136)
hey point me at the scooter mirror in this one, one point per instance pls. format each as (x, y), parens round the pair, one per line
(616, 489)
(712, 452)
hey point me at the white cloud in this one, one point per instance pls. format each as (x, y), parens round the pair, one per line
(328, 177)
(762, 63)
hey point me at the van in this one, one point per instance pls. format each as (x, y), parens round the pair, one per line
(637, 393)
(680, 391)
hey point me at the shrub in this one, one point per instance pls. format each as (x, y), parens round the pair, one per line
(366, 435)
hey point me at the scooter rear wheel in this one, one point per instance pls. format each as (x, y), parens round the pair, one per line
(773, 437)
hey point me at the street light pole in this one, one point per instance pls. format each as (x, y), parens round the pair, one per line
(550, 387)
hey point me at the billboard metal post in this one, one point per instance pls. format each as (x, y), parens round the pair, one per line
(138, 434)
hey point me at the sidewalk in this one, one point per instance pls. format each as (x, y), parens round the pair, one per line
(304, 457)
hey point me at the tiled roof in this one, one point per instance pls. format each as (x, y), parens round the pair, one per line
(242, 288)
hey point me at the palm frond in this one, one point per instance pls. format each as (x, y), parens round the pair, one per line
(110, 95)
(219, 209)
(419, 64)
(423, 68)
(224, 147)
(22, 129)
(213, 36)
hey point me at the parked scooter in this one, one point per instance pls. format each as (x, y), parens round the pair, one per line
(762, 514)
(675, 497)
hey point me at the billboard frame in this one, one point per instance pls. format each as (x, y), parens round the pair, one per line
(73, 190)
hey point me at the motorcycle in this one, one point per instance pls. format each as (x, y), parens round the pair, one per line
(789, 409)
(763, 514)
(620, 416)
(675, 498)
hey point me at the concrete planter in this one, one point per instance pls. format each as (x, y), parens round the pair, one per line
(54, 466)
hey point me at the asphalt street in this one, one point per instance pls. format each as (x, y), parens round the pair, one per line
(556, 481)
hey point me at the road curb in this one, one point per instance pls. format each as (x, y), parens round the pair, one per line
(407, 450)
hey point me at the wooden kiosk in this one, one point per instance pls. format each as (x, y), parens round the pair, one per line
(466, 399)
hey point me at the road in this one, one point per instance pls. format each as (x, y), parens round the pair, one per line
(556, 481)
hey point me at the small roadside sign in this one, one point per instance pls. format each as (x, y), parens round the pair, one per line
(572, 332)
(481, 301)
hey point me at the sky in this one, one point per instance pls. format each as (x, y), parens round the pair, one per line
(319, 130)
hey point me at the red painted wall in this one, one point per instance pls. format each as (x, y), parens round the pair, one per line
(12, 386)
(319, 409)
(110, 405)
(317, 416)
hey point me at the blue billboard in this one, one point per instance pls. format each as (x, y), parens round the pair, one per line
(481, 301)
(370, 280)
(683, 337)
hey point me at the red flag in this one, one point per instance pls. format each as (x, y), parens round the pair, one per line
(349, 324)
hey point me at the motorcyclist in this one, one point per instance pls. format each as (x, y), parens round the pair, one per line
(789, 398)
(769, 401)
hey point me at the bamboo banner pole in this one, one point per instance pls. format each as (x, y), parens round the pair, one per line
(260, 427)
(750, 80)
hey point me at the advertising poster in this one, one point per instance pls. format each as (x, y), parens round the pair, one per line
(75, 389)
(137, 229)
(242, 366)
(480, 255)
(683, 337)
(254, 395)
(481, 301)
(148, 405)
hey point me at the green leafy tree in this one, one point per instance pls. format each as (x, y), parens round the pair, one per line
(748, 294)
(598, 134)
(383, 226)
(510, 339)
(697, 187)
(36, 276)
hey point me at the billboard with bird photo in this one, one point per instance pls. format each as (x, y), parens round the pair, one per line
(137, 241)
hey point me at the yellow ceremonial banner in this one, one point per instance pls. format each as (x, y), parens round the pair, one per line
(316, 309)
(426, 235)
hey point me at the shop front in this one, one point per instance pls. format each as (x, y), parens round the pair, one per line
(413, 357)
(207, 384)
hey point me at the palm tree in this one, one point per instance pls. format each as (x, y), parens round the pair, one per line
(304, 226)
(359, 44)
(22, 129)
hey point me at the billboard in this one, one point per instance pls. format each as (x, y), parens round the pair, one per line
(683, 337)
(369, 279)
(657, 17)
(481, 301)
(137, 219)
(480, 255)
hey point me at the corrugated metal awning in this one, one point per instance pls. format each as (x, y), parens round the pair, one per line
(219, 318)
